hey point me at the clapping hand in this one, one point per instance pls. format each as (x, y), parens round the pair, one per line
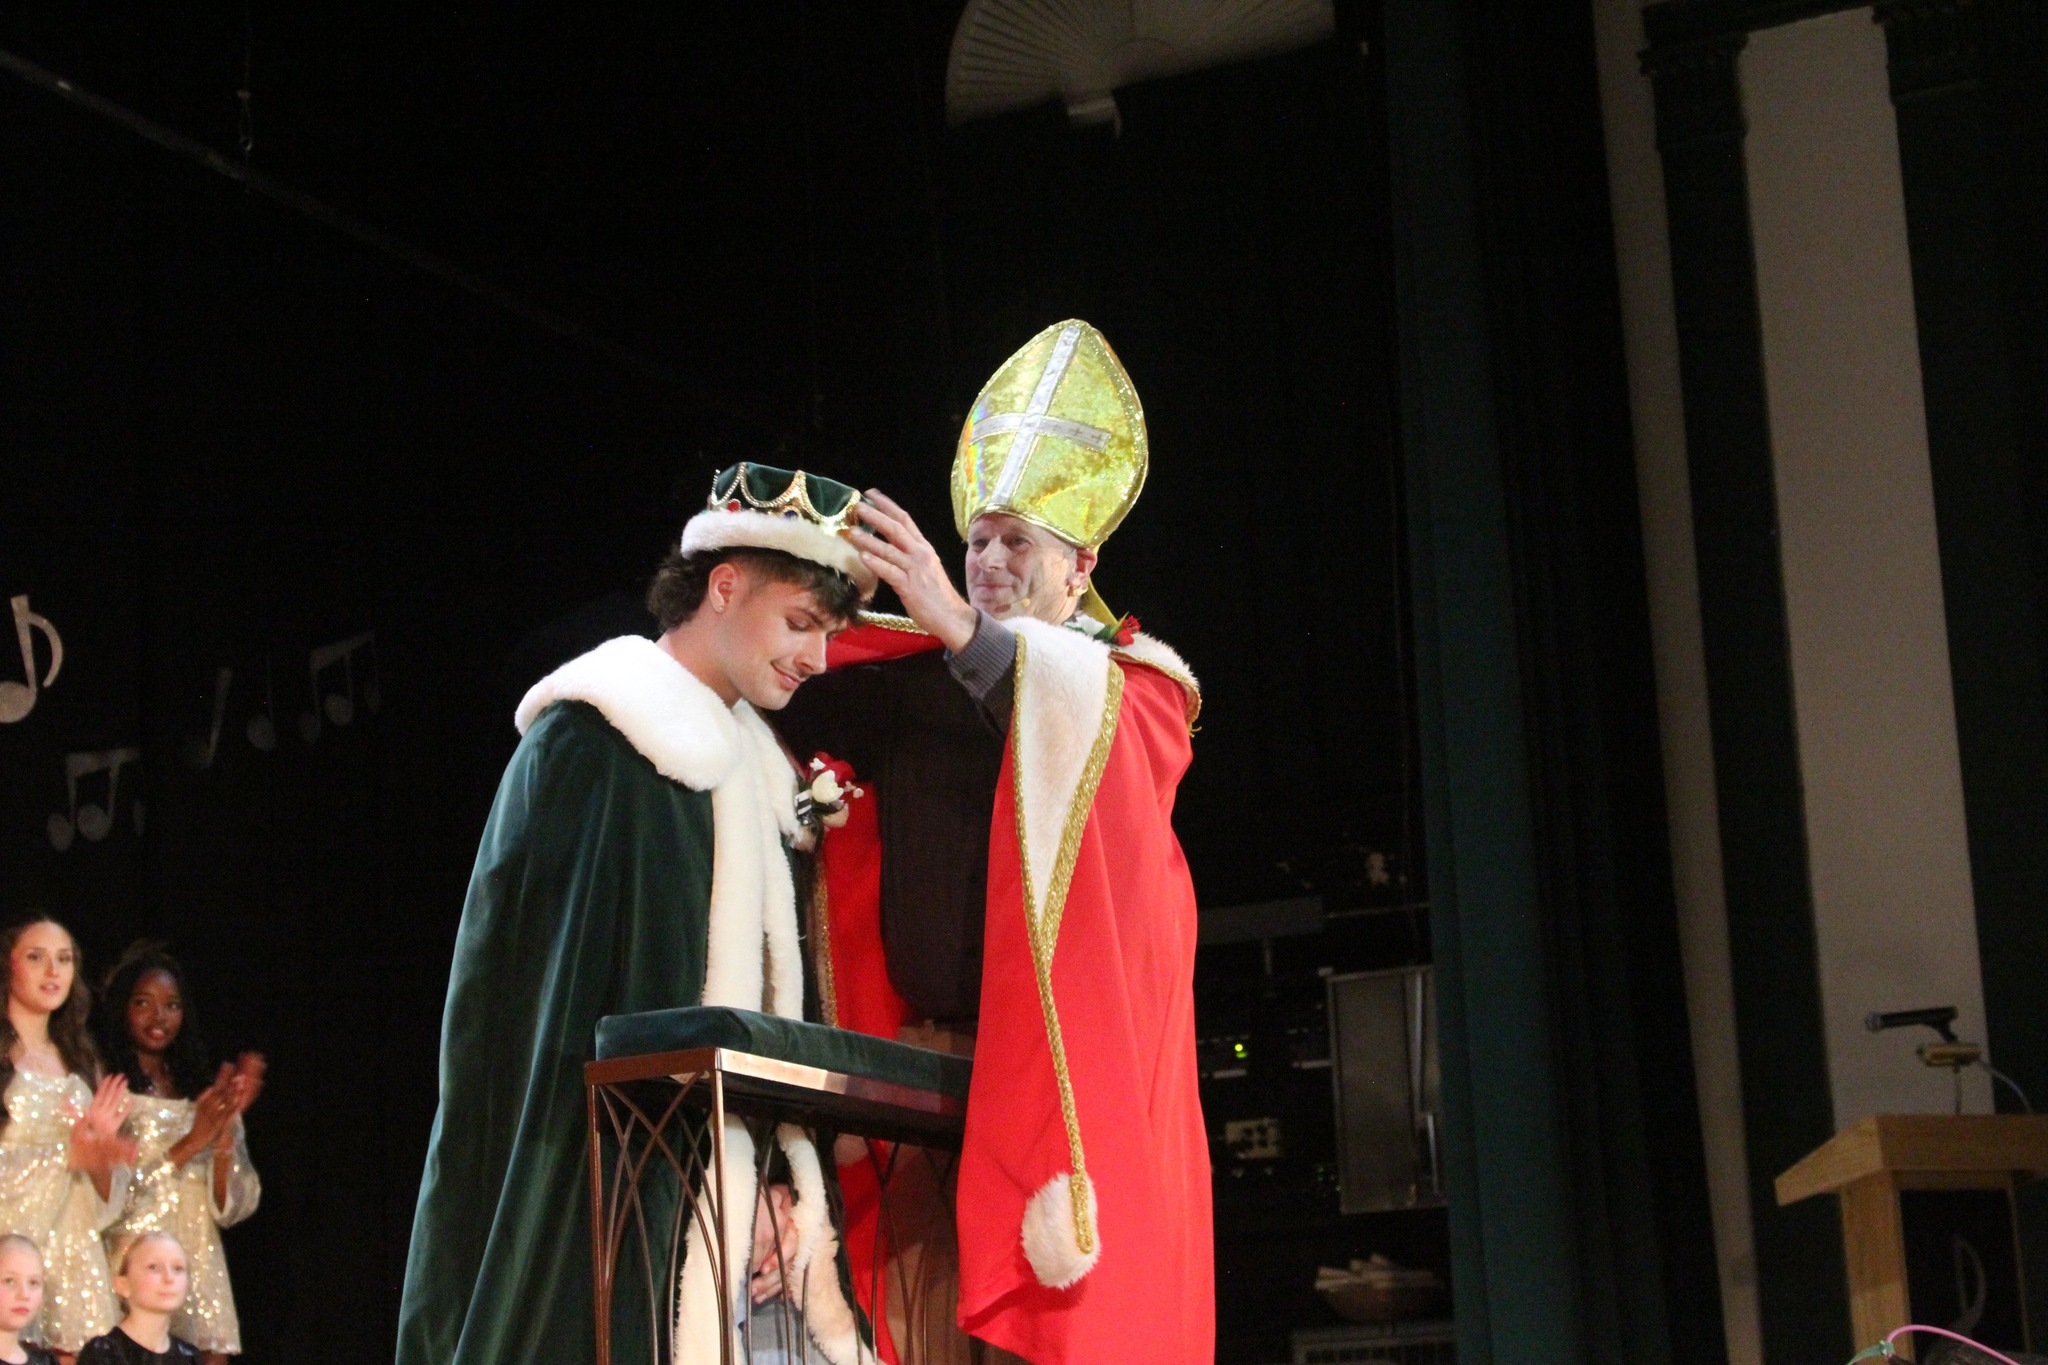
(249, 1070)
(97, 1144)
(214, 1108)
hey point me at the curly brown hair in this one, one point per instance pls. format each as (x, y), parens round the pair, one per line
(679, 584)
(70, 1022)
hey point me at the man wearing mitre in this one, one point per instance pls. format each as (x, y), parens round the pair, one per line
(1011, 887)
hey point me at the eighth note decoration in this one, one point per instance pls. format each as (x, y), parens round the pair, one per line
(342, 680)
(199, 752)
(17, 699)
(340, 707)
(262, 729)
(94, 822)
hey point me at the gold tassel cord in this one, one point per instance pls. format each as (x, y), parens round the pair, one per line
(1042, 924)
(887, 621)
(821, 942)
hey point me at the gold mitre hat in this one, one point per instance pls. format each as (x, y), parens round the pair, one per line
(1056, 438)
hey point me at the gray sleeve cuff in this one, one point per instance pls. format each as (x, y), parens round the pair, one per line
(985, 664)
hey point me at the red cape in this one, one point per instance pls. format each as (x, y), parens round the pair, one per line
(1121, 975)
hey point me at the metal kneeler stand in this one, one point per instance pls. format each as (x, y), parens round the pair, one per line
(659, 1094)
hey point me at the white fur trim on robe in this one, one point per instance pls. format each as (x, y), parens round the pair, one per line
(674, 721)
(1060, 694)
(1061, 716)
(1049, 1243)
(1156, 654)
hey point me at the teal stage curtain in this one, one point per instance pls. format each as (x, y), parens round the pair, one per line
(1579, 1220)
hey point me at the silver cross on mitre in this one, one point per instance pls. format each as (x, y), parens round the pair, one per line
(1036, 420)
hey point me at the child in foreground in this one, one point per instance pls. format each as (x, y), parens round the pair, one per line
(151, 1280)
(21, 1298)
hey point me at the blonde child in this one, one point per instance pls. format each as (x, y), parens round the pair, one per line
(21, 1298)
(152, 1280)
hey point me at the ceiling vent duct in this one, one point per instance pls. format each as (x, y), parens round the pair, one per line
(1014, 54)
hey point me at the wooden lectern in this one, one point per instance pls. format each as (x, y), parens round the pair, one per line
(1927, 1218)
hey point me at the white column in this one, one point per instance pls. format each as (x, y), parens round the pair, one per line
(1895, 921)
(1650, 337)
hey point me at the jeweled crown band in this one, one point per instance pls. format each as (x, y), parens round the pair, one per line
(825, 503)
(802, 514)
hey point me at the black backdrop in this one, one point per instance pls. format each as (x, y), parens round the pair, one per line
(230, 436)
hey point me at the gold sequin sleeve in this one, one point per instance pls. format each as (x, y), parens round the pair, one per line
(245, 1187)
(58, 1208)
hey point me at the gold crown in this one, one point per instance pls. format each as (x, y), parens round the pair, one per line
(789, 510)
(790, 493)
(1056, 438)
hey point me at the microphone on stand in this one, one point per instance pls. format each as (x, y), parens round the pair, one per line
(1940, 1018)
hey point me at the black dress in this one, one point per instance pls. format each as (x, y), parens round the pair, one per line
(118, 1348)
(37, 1356)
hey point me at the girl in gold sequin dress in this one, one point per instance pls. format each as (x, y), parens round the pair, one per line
(63, 1160)
(192, 1171)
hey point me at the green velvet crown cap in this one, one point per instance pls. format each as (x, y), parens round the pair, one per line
(760, 507)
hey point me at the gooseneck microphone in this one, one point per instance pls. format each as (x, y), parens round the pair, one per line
(1938, 1018)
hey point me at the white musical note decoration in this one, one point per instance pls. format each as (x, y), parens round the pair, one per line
(340, 707)
(93, 821)
(343, 682)
(200, 752)
(262, 728)
(17, 699)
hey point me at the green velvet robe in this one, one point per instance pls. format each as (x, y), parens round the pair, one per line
(590, 897)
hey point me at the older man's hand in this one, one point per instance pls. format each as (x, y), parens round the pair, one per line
(890, 544)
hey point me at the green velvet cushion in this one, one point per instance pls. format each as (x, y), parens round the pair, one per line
(788, 1040)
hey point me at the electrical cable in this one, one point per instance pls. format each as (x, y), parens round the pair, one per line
(1888, 1348)
(2010, 1083)
(242, 173)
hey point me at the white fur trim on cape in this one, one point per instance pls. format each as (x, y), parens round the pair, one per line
(1157, 654)
(1061, 688)
(1049, 1241)
(717, 529)
(698, 1319)
(828, 1317)
(1065, 716)
(674, 721)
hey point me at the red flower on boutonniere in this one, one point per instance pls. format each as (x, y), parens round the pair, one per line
(839, 768)
(831, 783)
(1126, 630)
